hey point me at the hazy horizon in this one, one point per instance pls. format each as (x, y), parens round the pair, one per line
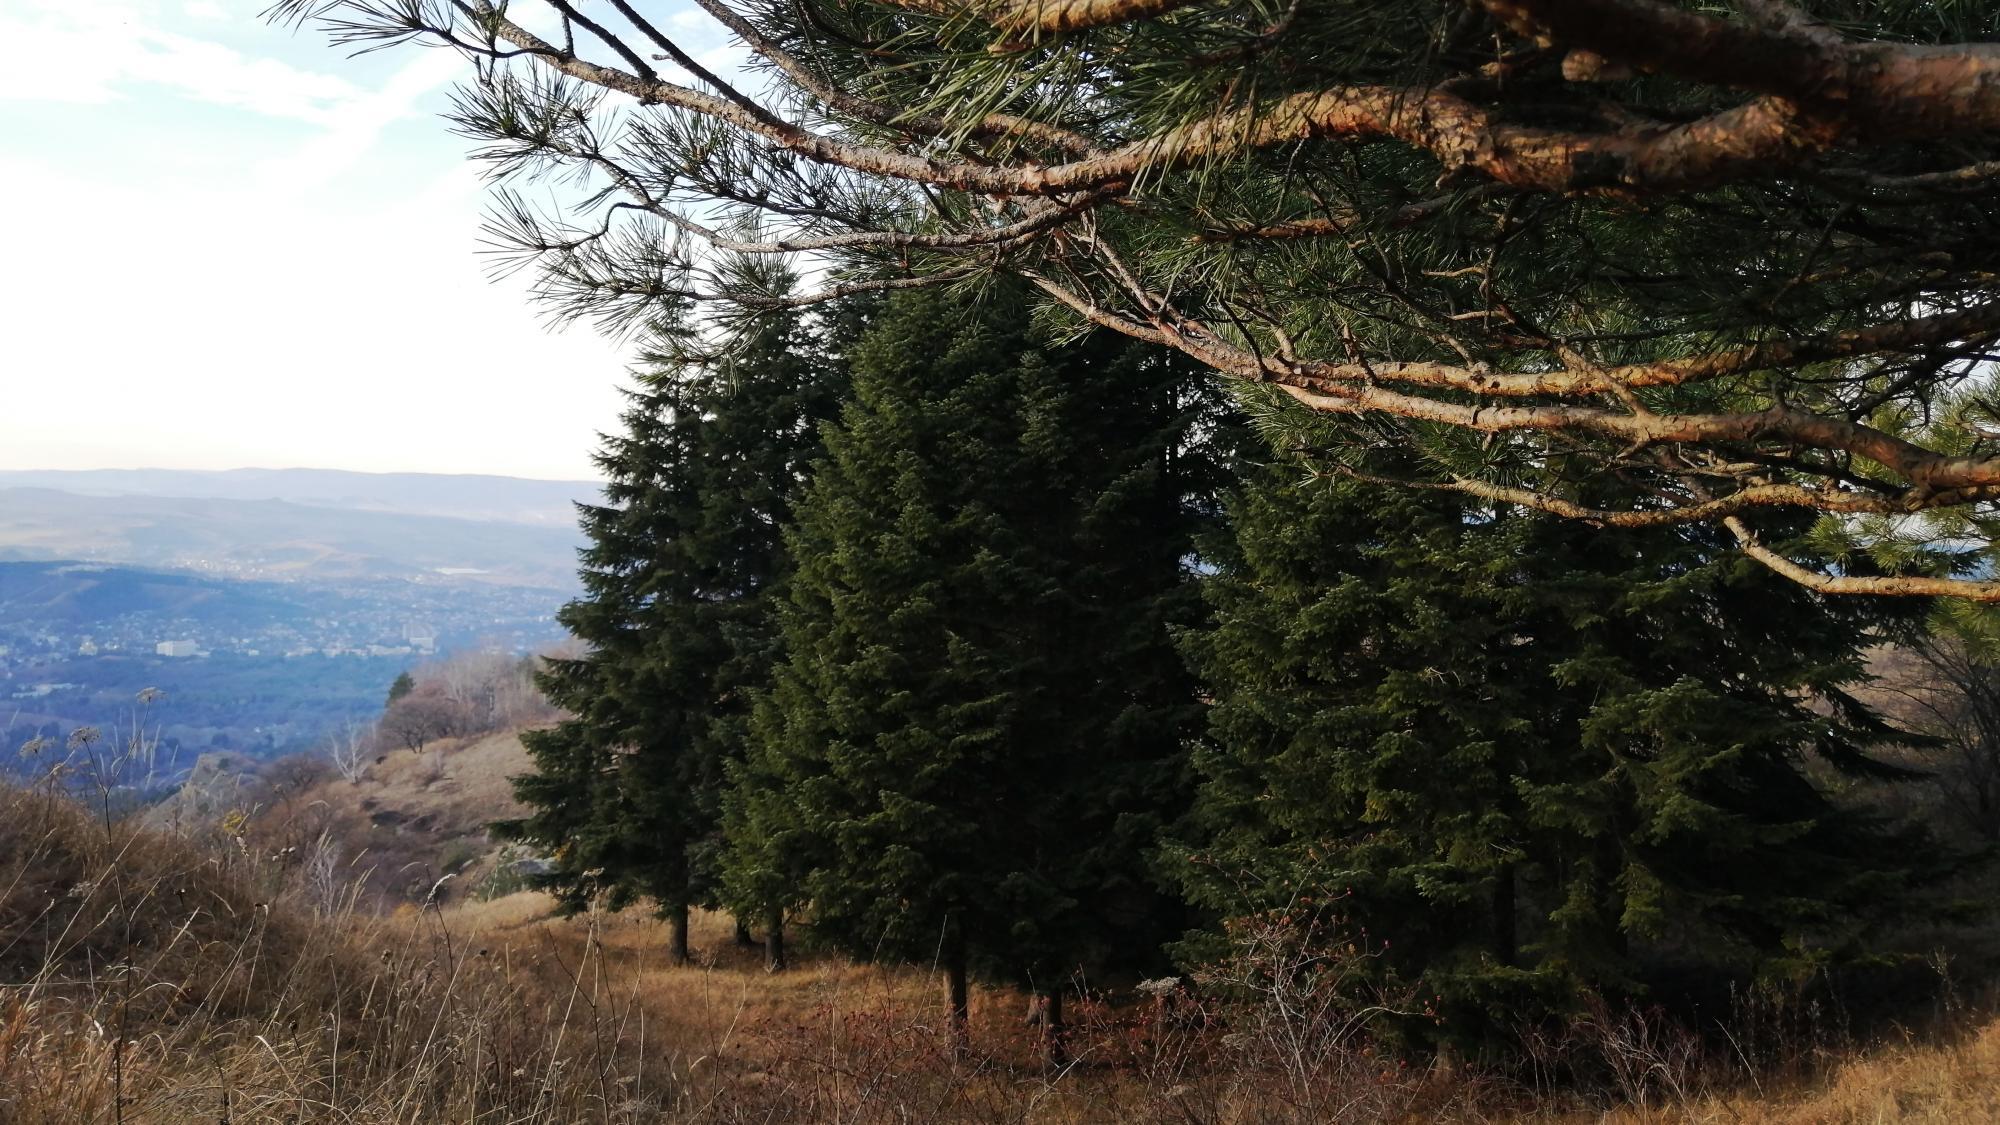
(7, 469)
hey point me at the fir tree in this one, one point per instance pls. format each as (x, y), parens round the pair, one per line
(1531, 759)
(683, 561)
(400, 687)
(977, 729)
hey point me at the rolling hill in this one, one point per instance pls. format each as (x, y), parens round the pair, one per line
(541, 503)
(278, 539)
(51, 595)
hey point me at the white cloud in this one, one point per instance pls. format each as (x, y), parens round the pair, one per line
(354, 126)
(100, 52)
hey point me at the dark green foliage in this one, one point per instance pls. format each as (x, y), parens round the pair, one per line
(402, 686)
(978, 727)
(1537, 759)
(683, 560)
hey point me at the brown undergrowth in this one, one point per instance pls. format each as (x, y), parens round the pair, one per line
(157, 978)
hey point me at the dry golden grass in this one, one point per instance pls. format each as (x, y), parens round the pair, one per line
(160, 979)
(1916, 1084)
(145, 978)
(736, 1037)
(150, 978)
(1955, 1083)
(832, 1040)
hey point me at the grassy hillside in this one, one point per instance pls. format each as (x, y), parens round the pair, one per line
(410, 820)
(151, 976)
(82, 593)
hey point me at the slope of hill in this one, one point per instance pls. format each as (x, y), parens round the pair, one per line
(40, 594)
(149, 977)
(546, 503)
(276, 539)
(408, 821)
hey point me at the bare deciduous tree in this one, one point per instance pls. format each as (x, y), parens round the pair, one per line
(349, 748)
(1948, 689)
(494, 689)
(422, 717)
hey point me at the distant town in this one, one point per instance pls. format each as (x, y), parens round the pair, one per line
(266, 667)
(420, 640)
(367, 619)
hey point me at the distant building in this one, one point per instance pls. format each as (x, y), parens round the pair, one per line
(174, 648)
(423, 638)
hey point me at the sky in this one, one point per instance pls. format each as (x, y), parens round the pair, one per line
(230, 245)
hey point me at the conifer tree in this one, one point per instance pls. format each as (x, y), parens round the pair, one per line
(680, 571)
(1740, 254)
(1531, 760)
(977, 728)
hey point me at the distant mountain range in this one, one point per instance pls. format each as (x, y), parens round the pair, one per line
(300, 524)
(543, 503)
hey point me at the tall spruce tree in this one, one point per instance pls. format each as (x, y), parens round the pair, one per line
(979, 724)
(1534, 760)
(684, 561)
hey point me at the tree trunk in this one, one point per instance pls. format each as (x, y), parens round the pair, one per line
(774, 941)
(1447, 1063)
(958, 1011)
(743, 938)
(1614, 902)
(677, 935)
(1506, 941)
(1054, 1046)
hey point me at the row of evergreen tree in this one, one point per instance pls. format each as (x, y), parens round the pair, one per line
(963, 644)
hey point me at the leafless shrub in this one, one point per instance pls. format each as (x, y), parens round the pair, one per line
(320, 882)
(1651, 1059)
(1299, 1007)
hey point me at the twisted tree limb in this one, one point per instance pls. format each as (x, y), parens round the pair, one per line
(1770, 106)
